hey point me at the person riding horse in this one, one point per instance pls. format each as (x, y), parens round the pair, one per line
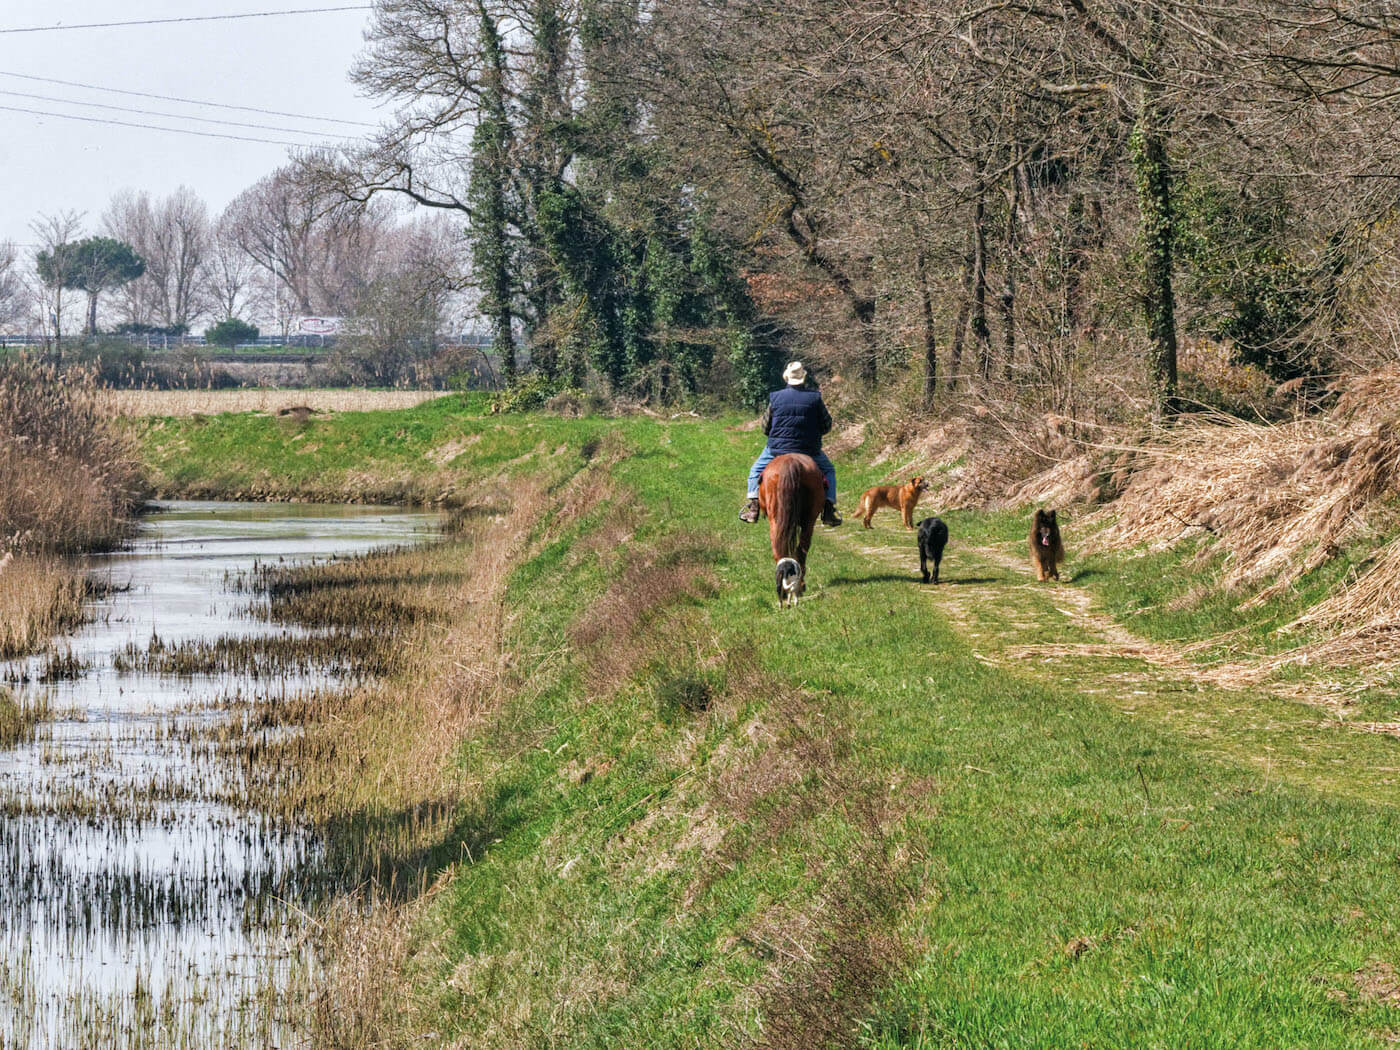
(795, 420)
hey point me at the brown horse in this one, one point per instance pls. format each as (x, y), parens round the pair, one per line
(791, 493)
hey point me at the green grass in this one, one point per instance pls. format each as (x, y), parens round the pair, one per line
(879, 809)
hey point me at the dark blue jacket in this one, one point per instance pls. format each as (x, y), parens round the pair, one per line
(796, 420)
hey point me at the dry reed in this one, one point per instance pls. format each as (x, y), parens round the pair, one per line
(69, 479)
(1279, 500)
(39, 597)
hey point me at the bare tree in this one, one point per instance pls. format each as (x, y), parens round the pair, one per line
(173, 236)
(54, 233)
(399, 314)
(12, 286)
(229, 274)
(318, 250)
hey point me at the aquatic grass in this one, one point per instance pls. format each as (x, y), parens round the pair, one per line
(337, 654)
(155, 839)
(18, 717)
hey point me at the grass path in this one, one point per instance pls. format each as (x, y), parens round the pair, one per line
(1058, 633)
(1105, 797)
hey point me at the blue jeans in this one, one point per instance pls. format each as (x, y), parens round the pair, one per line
(819, 458)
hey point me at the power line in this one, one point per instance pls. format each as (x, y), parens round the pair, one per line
(190, 18)
(149, 127)
(186, 101)
(158, 113)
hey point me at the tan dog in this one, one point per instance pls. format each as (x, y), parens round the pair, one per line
(903, 498)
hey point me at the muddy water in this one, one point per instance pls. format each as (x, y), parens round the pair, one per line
(142, 902)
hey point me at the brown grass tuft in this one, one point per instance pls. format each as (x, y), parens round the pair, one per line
(624, 630)
(829, 957)
(69, 479)
(39, 597)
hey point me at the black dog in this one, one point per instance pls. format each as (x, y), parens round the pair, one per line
(933, 537)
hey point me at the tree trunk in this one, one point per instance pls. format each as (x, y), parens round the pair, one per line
(1071, 266)
(92, 313)
(980, 332)
(864, 310)
(964, 310)
(1008, 285)
(930, 339)
(1154, 186)
(487, 223)
(503, 340)
(1156, 218)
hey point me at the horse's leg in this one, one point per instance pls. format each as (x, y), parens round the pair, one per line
(804, 543)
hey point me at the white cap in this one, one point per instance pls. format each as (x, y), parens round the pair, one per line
(795, 374)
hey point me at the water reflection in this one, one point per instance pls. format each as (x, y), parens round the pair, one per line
(142, 902)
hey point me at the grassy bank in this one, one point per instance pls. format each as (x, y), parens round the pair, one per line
(614, 797)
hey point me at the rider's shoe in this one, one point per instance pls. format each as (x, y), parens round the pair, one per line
(750, 511)
(829, 516)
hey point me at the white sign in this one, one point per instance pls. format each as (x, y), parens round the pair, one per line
(319, 325)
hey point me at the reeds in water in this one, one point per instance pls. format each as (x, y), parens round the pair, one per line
(69, 477)
(39, 597)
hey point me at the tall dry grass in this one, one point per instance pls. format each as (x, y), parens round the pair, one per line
(69, 479)
(1279, 500)
(214, 402)
(39, 597)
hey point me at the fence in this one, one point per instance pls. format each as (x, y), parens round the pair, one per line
(146, 341)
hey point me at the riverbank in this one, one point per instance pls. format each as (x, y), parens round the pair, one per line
(656, 811)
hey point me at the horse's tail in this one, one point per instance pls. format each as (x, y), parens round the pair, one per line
(786, 508)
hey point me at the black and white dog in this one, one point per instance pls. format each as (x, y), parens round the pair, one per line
(933, 537)
(791, 582)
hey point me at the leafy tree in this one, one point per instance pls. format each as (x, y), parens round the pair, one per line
(578, 239)
(1248, 289)
(93, 265)
(231, 332)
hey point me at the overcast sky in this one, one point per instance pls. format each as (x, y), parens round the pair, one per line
(296, 64)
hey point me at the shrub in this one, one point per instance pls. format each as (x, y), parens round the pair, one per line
(135, 328)
(528, 394)
(231, 332)
(686, 693)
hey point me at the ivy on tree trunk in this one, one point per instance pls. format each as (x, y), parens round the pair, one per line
(1152, 173)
